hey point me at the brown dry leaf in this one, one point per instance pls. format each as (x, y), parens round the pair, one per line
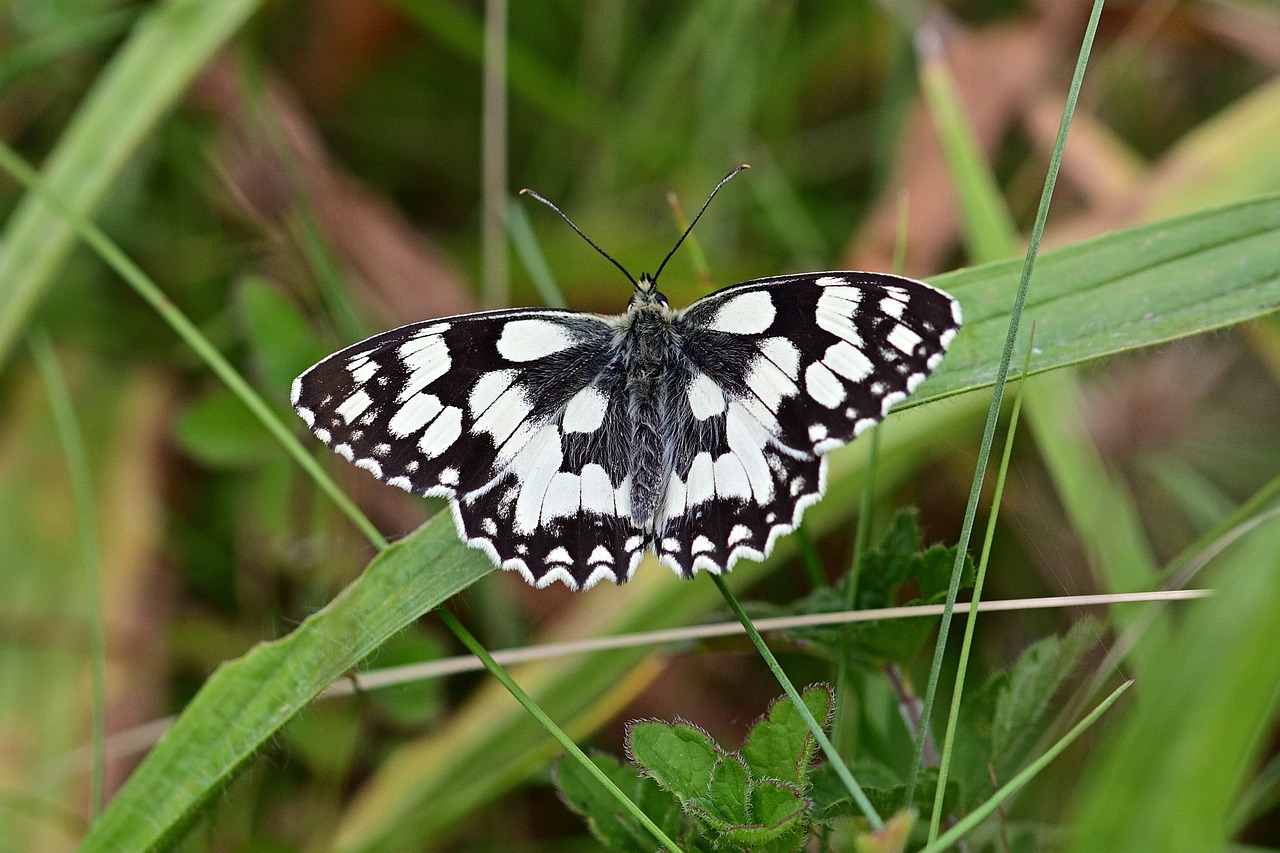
(996, 71)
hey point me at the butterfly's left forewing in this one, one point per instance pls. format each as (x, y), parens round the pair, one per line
(782, 371)
(516, 416)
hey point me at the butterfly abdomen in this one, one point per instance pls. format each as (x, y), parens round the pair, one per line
(651, 353)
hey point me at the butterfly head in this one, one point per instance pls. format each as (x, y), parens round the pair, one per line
(647, 293)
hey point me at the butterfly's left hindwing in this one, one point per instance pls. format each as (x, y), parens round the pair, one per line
(515, 416)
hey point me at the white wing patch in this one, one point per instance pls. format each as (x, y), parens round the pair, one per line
(586, 410)
(706, 399)
(748, 314)
(530, 340)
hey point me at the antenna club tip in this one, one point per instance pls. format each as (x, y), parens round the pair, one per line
(745, 166)
(524, 191)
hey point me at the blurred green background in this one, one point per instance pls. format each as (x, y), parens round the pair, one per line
(297, 175)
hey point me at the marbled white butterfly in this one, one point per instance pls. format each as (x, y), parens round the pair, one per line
(568, 443)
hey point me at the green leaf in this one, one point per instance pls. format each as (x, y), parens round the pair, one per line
(1001, 721)
(893, 573)
(1032, 683)
(780, 745)
(681, 758)
(726, 803)
(607, 822)
(279, 337)
(220, 431)
(245, 701)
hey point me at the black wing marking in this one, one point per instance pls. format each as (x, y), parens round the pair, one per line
(514, 416)
(784, 370)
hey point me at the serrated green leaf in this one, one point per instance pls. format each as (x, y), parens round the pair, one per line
(1032, 683)
(776, 803)
(279, 337)
(727, 801)
(890, 573)
(220, 431)
(608, 823)
(780, 745)
(680, 758)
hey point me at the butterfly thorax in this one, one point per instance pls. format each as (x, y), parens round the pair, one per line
(650, 349)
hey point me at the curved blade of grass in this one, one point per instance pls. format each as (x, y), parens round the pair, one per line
(1116, 293)
(989, 231)
(168, 47)
(244, 702)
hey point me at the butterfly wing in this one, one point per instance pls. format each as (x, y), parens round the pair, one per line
(516, 417)
(784, 370)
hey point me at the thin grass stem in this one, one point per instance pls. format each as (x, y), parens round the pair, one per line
(73, 450)
(833, 756)
(944, 765)
(997, 394)
(982, 812)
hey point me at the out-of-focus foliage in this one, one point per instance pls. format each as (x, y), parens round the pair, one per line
(296, 175)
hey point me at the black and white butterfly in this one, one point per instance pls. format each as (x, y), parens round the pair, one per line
(570, 443)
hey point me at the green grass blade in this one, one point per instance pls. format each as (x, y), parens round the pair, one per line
(971, 624)
(144, 80)
(988, 229)
(1120, 292)
(72, 440)
(1170, 778)
(244, 702)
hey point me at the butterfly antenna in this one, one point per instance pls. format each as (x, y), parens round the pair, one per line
(607, 256)
(705, 204)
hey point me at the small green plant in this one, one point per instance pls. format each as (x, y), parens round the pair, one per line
(771, 795)
(754, 798)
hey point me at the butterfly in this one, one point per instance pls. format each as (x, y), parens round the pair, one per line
(568, 443)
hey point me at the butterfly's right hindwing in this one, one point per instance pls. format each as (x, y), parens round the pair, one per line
(516, 416)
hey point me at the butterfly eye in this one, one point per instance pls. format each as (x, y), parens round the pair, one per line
(662, 300)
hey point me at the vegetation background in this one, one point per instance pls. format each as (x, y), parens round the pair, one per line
(296, 175)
